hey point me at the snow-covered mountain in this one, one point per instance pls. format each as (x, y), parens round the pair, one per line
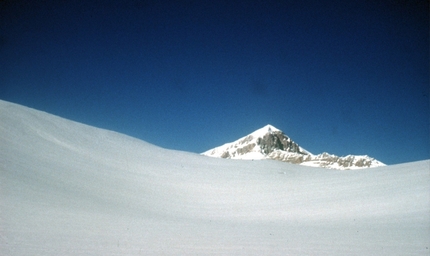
(71, 189)
(271, 143)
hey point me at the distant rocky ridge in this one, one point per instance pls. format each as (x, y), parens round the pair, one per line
(271, 143)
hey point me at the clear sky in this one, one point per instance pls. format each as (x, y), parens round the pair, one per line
(345, 77)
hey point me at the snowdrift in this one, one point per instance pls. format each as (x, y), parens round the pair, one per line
(71, 189)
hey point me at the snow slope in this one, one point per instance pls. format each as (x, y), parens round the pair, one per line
(72, 189)
(271, 143)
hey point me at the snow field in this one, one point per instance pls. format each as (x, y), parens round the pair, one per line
(71, 189)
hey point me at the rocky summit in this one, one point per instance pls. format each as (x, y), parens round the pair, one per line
(271, 143)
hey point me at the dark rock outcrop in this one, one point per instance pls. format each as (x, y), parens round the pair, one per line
(277, 140)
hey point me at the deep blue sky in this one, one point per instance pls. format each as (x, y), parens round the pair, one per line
(346, 77)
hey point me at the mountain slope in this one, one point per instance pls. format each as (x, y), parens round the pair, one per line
(72, 189)
(271, 143)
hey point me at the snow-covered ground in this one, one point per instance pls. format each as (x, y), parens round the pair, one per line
(72, 189)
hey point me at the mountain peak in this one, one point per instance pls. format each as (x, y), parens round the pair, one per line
(266, 129)
(269, 142)
(257, 145)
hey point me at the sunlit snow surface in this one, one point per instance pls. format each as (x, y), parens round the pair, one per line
(71, 189)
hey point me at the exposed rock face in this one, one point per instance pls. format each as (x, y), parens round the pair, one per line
(246, 149)
(277, 140)
(327, 160)
(290, 157)
(271, 143)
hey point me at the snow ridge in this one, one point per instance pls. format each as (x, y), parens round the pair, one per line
(271, 143)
